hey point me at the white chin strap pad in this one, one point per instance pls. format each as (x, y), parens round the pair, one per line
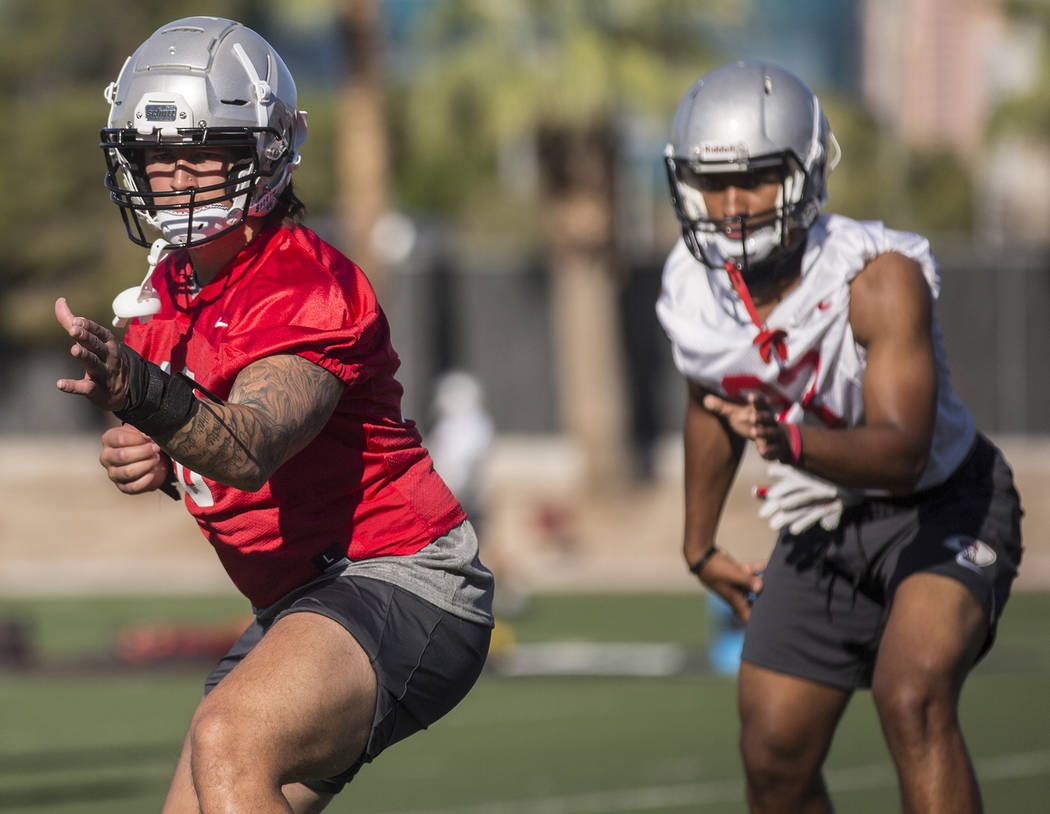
(759, 244)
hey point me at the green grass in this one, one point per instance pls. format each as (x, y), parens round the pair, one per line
(104, 739)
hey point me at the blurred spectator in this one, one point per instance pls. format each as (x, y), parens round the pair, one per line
(460, 439)
(459, 442)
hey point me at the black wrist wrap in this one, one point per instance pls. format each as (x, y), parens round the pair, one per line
(157, 403)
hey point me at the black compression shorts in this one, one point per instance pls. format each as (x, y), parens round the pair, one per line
(425, 658)
(827, 595)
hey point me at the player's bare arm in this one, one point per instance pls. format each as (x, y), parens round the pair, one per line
(891, 317)
(890, 314)
(276, 407)
(712, 456)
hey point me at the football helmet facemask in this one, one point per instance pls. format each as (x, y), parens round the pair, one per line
(755, 118)
(196, 83)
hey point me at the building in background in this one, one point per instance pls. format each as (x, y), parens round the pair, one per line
(933, 73)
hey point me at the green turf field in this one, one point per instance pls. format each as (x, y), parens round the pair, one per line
(81, 735)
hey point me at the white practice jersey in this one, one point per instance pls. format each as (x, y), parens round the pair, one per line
(819, 382)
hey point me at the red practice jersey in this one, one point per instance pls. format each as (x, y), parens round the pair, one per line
(365, 481)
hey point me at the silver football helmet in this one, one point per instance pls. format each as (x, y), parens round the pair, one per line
(201, 81)
(749, 117)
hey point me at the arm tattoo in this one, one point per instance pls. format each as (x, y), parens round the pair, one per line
(277, 406)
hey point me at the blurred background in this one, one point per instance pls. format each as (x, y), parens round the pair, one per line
(495, 167)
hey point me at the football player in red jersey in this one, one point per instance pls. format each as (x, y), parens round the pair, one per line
(256, 378)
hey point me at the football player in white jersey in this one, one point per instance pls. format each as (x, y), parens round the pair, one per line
(813, 337)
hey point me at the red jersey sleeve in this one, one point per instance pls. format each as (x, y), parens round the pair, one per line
(315, 304)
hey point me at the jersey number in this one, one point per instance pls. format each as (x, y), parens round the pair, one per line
(193, 483)
(738, 386)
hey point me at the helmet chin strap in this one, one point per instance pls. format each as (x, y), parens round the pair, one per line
(768, 341)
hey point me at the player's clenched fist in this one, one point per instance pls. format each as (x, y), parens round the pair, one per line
(133, 461)
(755, 421)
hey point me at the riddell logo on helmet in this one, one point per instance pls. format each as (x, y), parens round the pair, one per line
(723, 151)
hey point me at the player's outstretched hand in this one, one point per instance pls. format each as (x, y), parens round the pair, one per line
(132, 461)
(105, 380)
(737, 583)
(754, 420)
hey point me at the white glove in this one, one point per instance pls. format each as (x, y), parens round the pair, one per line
(799, 500)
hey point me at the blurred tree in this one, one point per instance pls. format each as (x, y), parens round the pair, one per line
(59, 234)
(510, 116)
(1028, 114)
(878, 178)
(1013, 207)
(849, 188)
(502, 87)
(362, 149)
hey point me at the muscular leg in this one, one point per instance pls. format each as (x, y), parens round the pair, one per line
(786, 729)
(299, 706)
(182, 798)
(933, 635)
(305, 800)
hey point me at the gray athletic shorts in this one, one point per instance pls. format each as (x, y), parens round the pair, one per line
(426, 658)
(826, 596)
